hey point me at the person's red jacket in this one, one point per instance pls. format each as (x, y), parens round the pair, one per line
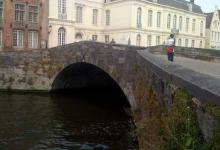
(170, 49)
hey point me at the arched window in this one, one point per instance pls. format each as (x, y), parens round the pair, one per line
(179, 42)
(61, 36)
(174, 21)
(180, 23)
(201, 28)
(158, 19)
(168, 21)
(186, 42)
(78, 36)
(200, 44)
(138, 40)
(150, 18)
(149, 40)
(194, 25)
(139, 16)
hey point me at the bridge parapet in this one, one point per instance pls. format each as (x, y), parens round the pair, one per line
(195, 53)
(204, 87)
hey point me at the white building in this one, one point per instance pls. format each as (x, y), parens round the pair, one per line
(138, 22)
(213, 30)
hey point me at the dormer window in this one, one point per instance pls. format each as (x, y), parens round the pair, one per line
(190, 6)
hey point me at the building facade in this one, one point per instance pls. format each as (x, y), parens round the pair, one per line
(135, 22)
(213, 30)
(23, 24)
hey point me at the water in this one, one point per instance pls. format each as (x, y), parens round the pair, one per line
(74, 122)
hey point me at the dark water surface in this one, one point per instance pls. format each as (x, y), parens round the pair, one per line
(74, 122)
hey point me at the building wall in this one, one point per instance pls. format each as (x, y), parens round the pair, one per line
(123, 23)
(9, 23)
(213, 33)
(86, 28)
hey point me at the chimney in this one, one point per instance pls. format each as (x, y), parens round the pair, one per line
(192, 1)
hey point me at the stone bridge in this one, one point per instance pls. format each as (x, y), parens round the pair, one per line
(141, 73)
(91, 64)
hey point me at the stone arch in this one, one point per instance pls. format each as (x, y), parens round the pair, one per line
(86, 76)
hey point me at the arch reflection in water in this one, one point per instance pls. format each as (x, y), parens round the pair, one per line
(35, 121)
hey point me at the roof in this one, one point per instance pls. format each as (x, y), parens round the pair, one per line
(209, 19)
(180, 4)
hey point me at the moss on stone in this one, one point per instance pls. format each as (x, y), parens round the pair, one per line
(214, 110)
(160, 128)
(115, 74)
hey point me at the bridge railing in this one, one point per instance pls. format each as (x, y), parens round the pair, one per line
(195, 53)
(204, 87)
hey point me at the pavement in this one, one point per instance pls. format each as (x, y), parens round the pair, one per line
(204, 67)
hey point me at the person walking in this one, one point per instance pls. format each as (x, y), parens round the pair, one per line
(170, 47)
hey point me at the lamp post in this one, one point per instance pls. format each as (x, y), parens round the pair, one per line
(49, 31)
(49, 28)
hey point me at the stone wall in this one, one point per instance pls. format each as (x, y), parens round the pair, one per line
(141, 76)
(37, 69)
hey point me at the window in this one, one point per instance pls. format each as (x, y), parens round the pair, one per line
(187, 24)
(179, 42)
(79, 14)
(193, 43)
(94, 37)
(95, 17)
(219, 36)
(33, 14)
(150, 18)
(194, 25)
(213, 35)
(149, 40)
(32, 39)
(180, 23)
(61, 36)
(19, 12)
(78, 36)
(158, 40)
(139, 16)
(1, 39)
(107, 17)
(18, 39)
(186, 42)
(1, 11)
(200, 44)
(62, 6)
(106, 38)
(215, 24)
(168, 21)
(201, 28)
(158, 19)
(174, 21)
(138, 40)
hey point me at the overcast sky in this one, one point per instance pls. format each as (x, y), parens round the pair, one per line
(208, 5)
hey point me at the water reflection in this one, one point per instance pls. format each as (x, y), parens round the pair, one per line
(73, 122)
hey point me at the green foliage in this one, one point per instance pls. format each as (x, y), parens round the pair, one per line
(116, 74)
(181, 129)
(214, 110)
(176, 129)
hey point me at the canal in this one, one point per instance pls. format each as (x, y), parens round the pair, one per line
(85, 120)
